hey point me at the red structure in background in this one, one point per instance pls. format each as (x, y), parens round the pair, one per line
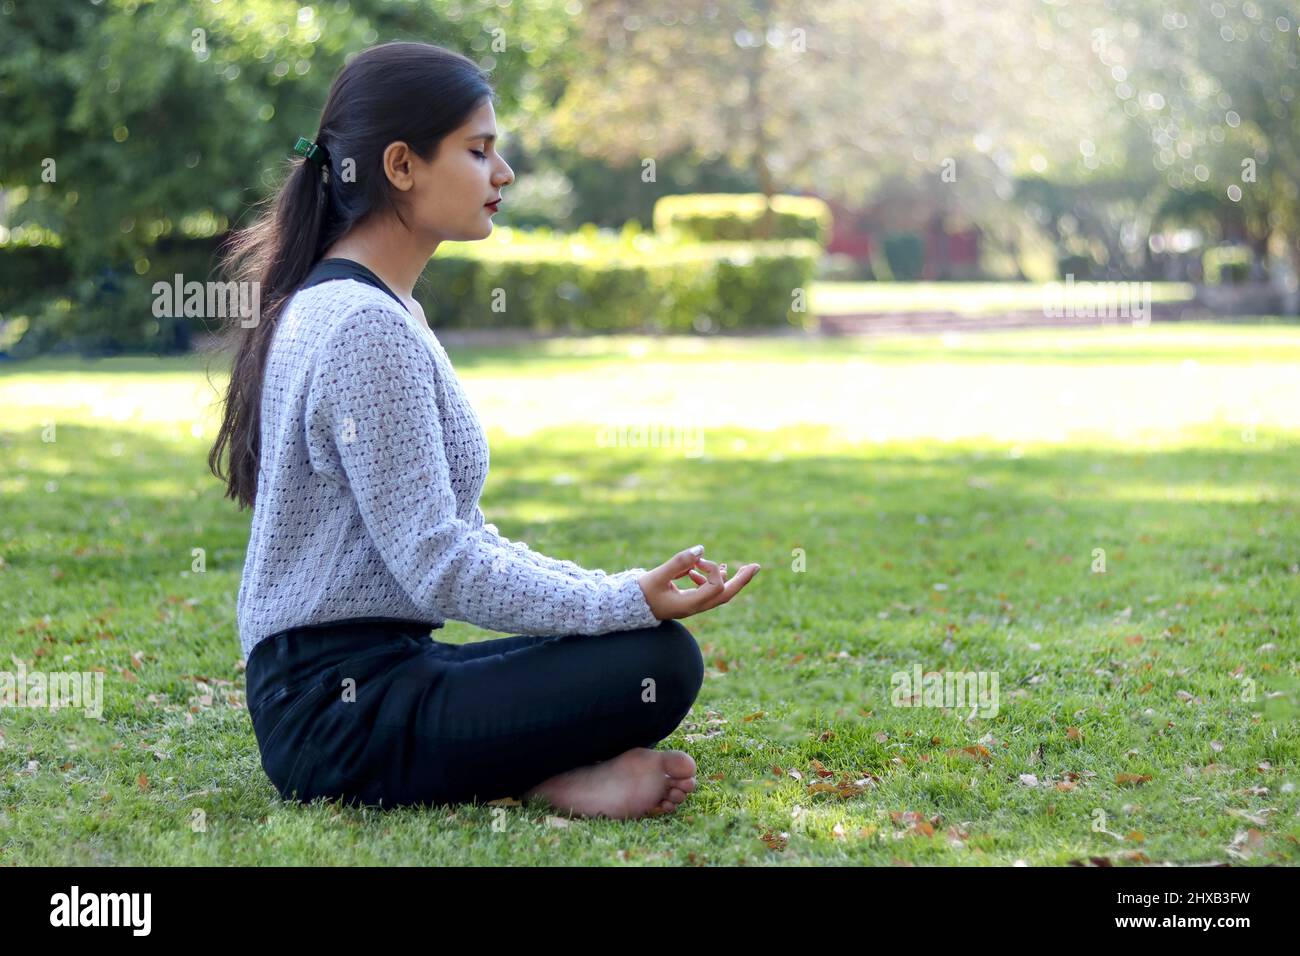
(850, 235)
(949, 254)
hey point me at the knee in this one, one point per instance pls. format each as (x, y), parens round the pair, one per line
(681, 663)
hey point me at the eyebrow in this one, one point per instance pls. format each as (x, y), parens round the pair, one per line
(490, 137)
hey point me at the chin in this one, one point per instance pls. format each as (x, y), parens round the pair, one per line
(479, 231)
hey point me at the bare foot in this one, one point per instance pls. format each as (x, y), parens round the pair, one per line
(640, 782)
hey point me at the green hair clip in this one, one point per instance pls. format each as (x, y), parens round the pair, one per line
(306, 148)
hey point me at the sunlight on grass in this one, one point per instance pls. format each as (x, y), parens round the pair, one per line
(116, 400)
(842, 298)
(872, 402)
(863, 400)
(1246, 493)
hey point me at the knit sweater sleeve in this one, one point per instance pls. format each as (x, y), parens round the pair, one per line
(536, 557)
(373, 409)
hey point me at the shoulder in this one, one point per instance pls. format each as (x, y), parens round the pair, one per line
(419, 311)
(343, 311)
(371, 339)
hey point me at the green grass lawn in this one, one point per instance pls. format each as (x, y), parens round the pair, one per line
(1146, 714)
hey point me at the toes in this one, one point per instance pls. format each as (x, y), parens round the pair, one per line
(678, 763)
(684, 784)
(676, 796)
(661, 809)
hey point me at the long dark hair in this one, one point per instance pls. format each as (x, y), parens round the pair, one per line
(413, 92)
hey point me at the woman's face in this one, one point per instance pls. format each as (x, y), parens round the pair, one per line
(449, 195)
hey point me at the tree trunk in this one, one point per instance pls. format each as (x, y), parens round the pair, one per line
(762, 171)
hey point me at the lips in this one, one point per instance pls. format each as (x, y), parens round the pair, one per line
(494, 205)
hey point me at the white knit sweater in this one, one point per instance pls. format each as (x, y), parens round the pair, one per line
(372, 463)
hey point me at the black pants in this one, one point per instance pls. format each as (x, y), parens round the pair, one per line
(374, 711)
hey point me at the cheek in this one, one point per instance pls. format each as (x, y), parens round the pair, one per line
(459, 191)
(470, 178)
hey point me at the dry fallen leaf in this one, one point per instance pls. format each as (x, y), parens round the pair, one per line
(1254, 818)
(974, 752)
(1125, 779)
(1245, 843)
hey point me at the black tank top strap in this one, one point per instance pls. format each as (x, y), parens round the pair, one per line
(335, 268)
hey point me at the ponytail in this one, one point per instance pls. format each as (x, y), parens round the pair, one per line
(277, 253)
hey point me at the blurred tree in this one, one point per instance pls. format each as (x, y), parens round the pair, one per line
(840, 98)
(1212, 85)
(164, 119)
(138, 132)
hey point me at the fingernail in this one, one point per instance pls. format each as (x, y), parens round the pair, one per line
(698, 549)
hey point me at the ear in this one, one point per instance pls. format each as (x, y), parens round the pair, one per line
(397, 165)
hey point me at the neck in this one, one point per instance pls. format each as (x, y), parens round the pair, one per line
(389, 250)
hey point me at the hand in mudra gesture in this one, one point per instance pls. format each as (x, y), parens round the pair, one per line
(668, 601)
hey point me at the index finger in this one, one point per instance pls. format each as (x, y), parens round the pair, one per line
(711, 595)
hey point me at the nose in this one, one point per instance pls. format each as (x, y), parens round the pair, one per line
(506, 172)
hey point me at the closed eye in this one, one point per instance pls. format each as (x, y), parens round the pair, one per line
(479, 153)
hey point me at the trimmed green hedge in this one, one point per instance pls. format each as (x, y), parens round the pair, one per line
(1227, 265)
(905, 254)
(735, 217)
(589, 281)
